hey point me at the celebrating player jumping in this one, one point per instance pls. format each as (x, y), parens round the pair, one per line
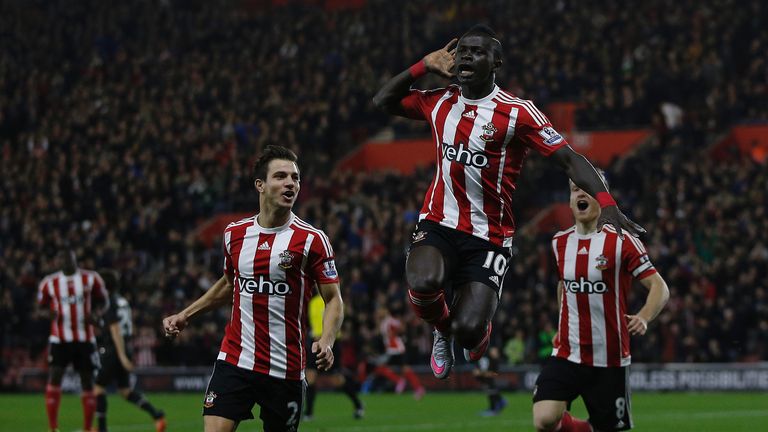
(481, 135)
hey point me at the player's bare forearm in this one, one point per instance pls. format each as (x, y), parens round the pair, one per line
(579, 170)
(440, 62)
(117, 339)
(658, 295)
(559, 293)
(218, 295)
(333, 315)
(584, 175)
(388, 97)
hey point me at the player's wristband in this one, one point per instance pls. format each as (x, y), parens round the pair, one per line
(605, 199)
(418, 70)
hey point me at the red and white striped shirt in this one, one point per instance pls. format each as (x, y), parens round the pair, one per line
(69, 297)
(596, 270)
(274, 272)
(390, 329)
(480, 145)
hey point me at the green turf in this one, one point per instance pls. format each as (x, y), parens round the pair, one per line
(444, 412)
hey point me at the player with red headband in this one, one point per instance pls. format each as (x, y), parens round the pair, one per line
(481, 135)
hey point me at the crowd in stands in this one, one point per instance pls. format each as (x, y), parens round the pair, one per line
(124, 126)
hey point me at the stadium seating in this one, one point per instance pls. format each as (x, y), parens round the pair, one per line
(123, 127)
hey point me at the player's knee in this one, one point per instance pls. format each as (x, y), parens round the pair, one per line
(545, 422)
(468, 331)
(424, 281)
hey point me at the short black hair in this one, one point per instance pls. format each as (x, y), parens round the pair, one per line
(270, 153)
(481, 29)
(487, 31)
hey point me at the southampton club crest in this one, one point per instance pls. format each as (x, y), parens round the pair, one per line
(601, 262)
(286, 260)
(488, 131)
(209, 398)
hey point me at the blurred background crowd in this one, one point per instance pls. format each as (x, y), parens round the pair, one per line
(125, 126)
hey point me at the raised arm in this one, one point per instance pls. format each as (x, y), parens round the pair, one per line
(584, 175)
(219, 294)
(440, 62)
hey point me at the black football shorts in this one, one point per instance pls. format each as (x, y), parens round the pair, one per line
(112, 371)
(82, 355)
(605, 391)
(467, 258)
(233, 391)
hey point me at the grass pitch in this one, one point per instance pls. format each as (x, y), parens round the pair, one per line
(444, 412)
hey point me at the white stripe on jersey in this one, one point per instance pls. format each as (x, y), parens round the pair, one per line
(53, 338)
(473, 176)
(228, 241)
(596, 307)
(80, 305)
(247, 325)
(569, 273)
(307, 247)
(450, 204)
(278, 349)
(447, 95)
(66, 311)
(618, 294)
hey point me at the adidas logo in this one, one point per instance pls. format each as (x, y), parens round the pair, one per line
(583, 251)
(469, 114)
(264, 246)
(494, 279)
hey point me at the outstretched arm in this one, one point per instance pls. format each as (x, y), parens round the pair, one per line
(584, 175)
(440, 62)
(219, 294)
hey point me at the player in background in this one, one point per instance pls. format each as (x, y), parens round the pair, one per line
(343, 378)
(116, 364)
(591, 354)
(76, 297)
(481, 135)
(486, 372)
(391, 330)
(272, 263)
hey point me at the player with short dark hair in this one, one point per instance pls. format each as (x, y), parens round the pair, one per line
(272, 263)
(590, 355)
(116, 364)
(75, 297)
(482, 135)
